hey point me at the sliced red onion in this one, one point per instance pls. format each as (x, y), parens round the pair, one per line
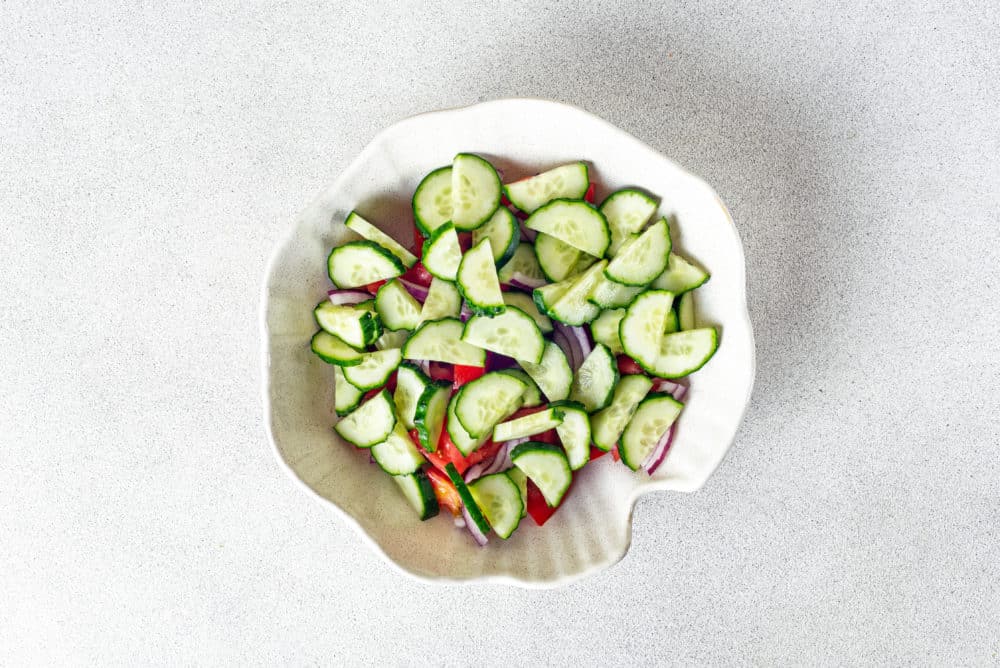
(440, 371)
(527, 233)
(419, 292)
(676, 390)
(424, 365)
(345, 297)
(465, 313)
(567, 346)
(584, 346)
(459, 522)
(659, 453)
(496, 361)
(525, 282)
(477, 535)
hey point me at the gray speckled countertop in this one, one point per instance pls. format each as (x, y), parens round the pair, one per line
(151, 156)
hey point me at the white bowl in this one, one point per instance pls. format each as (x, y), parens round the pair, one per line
(593, 528)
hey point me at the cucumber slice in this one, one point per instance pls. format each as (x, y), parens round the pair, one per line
(673, 323)
(527, 304)
(499, 499)
(546, 466)
(358, 263)
(475, 191)
(512, 333)
(397, 455)
(459, 437)
(605, 329)
(396, 307)
(685, 311)
(486, 401)
(374, 370)
(410, 384)
(478, 282)
(417, 489)
(680, 276)
(523, 262)
(552, 375)
(504, 234)
(369, 423)
(627, 212)
(441, 341)
(595, 380)
(683, 353)
(528, 425)
(467, 499)
(392, 339)
(362, 227)
(443, 301)
(332, 350)
(555, 258)
(574, 222)
(442, 253)
(521, 480)
(643, 326)
(643, 259)
(532, 395)
(651, 420)
(428, 418)
(547, 295)
(572, 307)
(346, 397)
(568, 181)
(355, 327)
(432, 205)
(574, 433)
(608, 294)
(607, 425)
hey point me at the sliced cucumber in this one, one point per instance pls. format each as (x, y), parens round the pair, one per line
(627, 211)
(346, 397)
(572, 307)
(605, 329)
(607, 425)
(459, 437)
(651, 420)
(512, 333)
(521, 480)
(397, 455)
(441, 341)
(374, 370)
(484, 402)
(432, 205)
(528, 425)
(547, 295)
(552, 375)
(442, 253)
(527, 304)
(332, 350)
(358, 263)
(499, 499)
(573, 222)
(608, 294)
(392, 339)
(683, 353)
(644, 324)
(410, 384)
(362, 227)
(417, 489)
(595, 380)
(555, 258)
(546, 466)
(532, 395)
(369, 423)
(357, 327)
(522, 262)
(568, 181)
(475, 191)
(685, 311)
(574, 433)
(443, 301)
(673, 322)
(467, 499)
(428, 418)
(680, 276)
(478, 282)
(396, 307)
(504, 234)
(643, 259)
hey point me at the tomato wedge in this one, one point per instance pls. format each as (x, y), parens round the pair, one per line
(466, 374)
(596, 453)
(627, 365)
(445, 492)
(538, 508)
(418, 274)
(373, 287)
(589, 196)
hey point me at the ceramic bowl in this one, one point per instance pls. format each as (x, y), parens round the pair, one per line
(593, 528)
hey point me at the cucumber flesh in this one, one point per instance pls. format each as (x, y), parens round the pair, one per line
(475, 513)
(522, 262)
(465, 443)
(521, 480)
(609, 294)
(642, 259)
(429, 415)
(419, 492)
(607, 425)
(357, 327)
(396, 307)
(527, 304)
(442, 253)
(567, 181)
(332, 350)
(499, 499)
(432, 206)
(443, 301)
(685, 311)
(644, 324)
(556, 258)
(546, 466)
(532, 395)
(441, 341)
(574, 433)
(512, 333)
(504, 234)
(374, 370)
(359, 263)
(552, 375)
(370, 423)
(475, 191)
(573, 222)
(595, 380)
(410, 384)
(680, 276)
(346, 397)
(683, 353)
(528, 425)
(478, 282)
(627, 212)
(397, 455)
(605, 329)
(572, 307)
(651, 420)
(484, 402)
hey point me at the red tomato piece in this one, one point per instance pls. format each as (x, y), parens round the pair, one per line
(589, 196)
(596, 453)
(441, 371)
(418, 274)
(373, 287)
(627, 365)
(537, 506)
(445, 492)
(418, 242)
(466, 374)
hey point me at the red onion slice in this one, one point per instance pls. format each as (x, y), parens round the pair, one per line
(465, 313)
(418, 291)
(567, 347)
(525, 282)
(582, 339)
(527, 233)
(676, 390)
(346, 297)
(659, 453)
(477, 535)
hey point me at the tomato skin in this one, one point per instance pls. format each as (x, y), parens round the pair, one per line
(596, 453)
(466, 374)
(538, 508)
(373, 287)
(418, 242)
(418, 274)
(589, 196)
(445, 492)
(627, 365)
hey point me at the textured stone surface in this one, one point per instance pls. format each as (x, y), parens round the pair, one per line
(151, 156)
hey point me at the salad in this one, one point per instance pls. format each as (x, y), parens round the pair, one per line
(527, 333)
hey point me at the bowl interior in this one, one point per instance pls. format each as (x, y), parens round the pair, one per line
(521, 137)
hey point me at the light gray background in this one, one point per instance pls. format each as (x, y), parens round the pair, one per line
(151, 154)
